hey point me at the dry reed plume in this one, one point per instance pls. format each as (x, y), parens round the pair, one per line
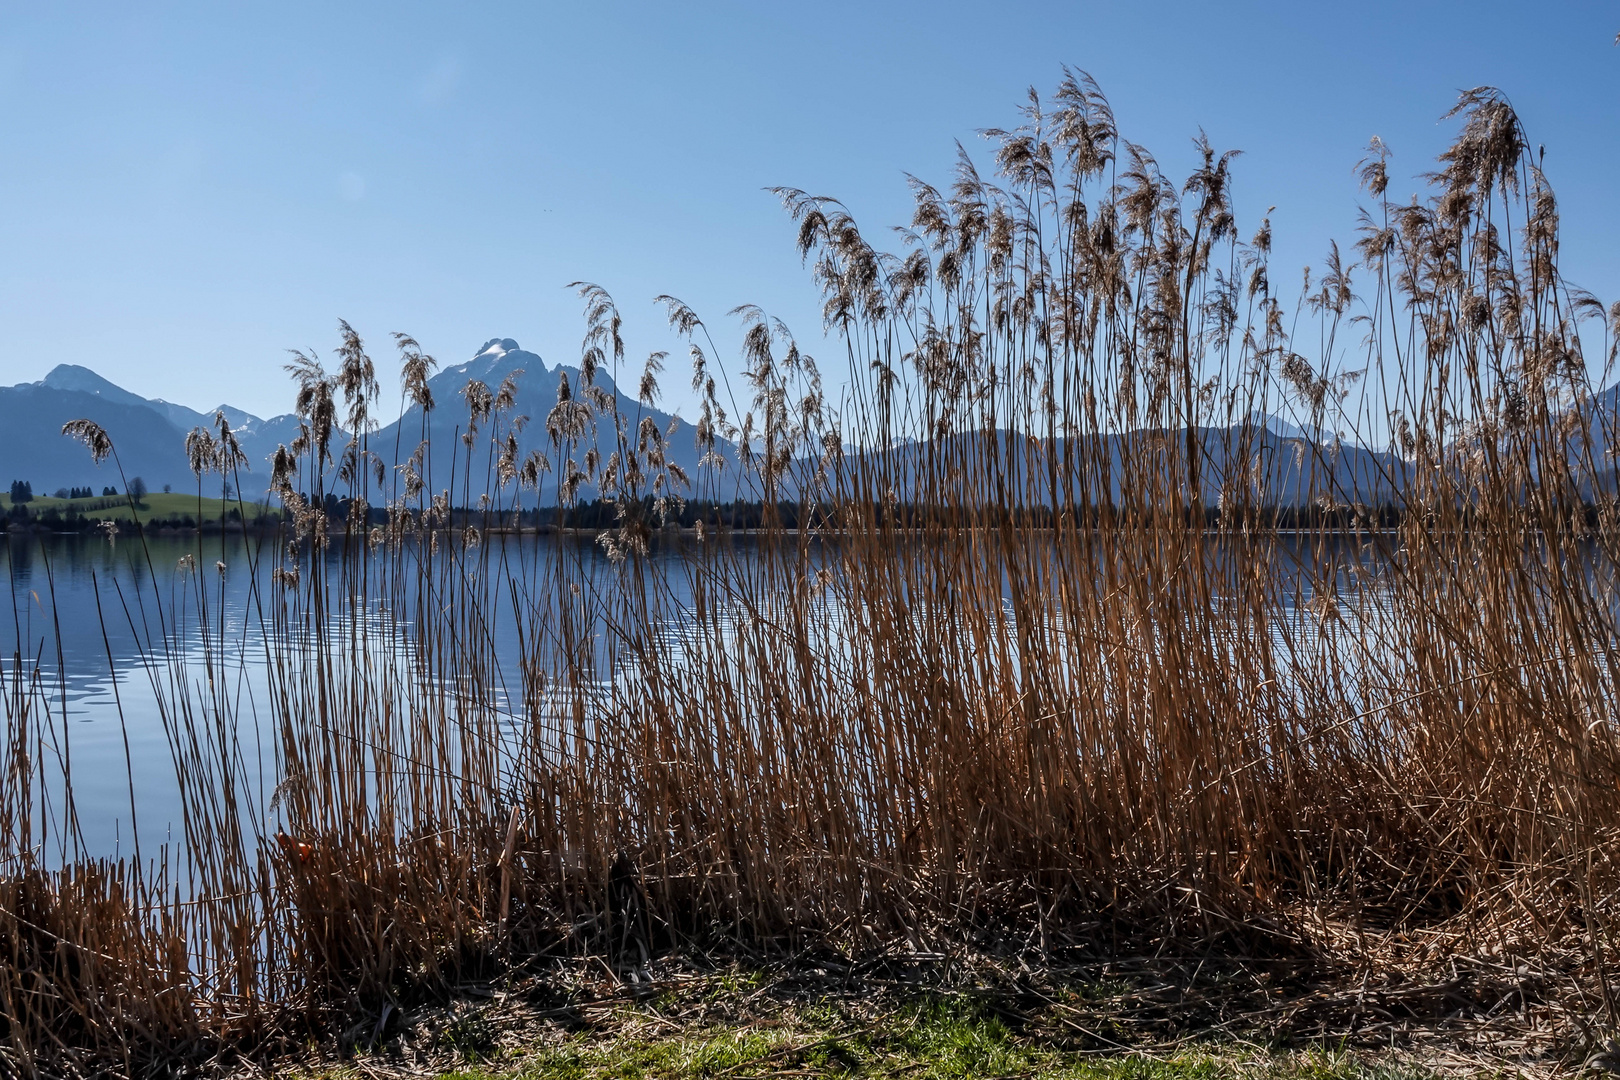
(1070, 647)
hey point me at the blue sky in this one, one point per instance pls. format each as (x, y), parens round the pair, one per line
(187, 191)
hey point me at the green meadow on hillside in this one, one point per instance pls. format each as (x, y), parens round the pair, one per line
(161, 507)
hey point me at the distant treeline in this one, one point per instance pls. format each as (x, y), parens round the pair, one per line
(737, 515)
(22, 491)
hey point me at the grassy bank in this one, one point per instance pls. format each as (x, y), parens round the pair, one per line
(1064, 1023)
(1083, 697)
(160, 507)
(942, 1040)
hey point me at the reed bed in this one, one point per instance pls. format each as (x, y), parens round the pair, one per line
(1066, 651)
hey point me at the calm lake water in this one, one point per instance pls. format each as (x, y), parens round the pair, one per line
(96, 625)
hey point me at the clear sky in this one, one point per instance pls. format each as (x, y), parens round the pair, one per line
(188, 190)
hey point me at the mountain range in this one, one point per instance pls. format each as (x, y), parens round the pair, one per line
(149, 434)
(1291, 466)
(537, 387)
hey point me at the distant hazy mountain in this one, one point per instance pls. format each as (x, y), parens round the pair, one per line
(149, 434)
(1287, 430)
(454, 466)
(1288, 465)
(1278, 470)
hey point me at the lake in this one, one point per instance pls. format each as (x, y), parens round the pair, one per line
(130, 647)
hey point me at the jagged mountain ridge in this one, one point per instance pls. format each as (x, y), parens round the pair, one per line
(149, 435)
(81, 379)
(453, 466)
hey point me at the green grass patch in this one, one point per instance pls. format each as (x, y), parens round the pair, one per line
(946, 1038)
(959, 1053)
(160, 506)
